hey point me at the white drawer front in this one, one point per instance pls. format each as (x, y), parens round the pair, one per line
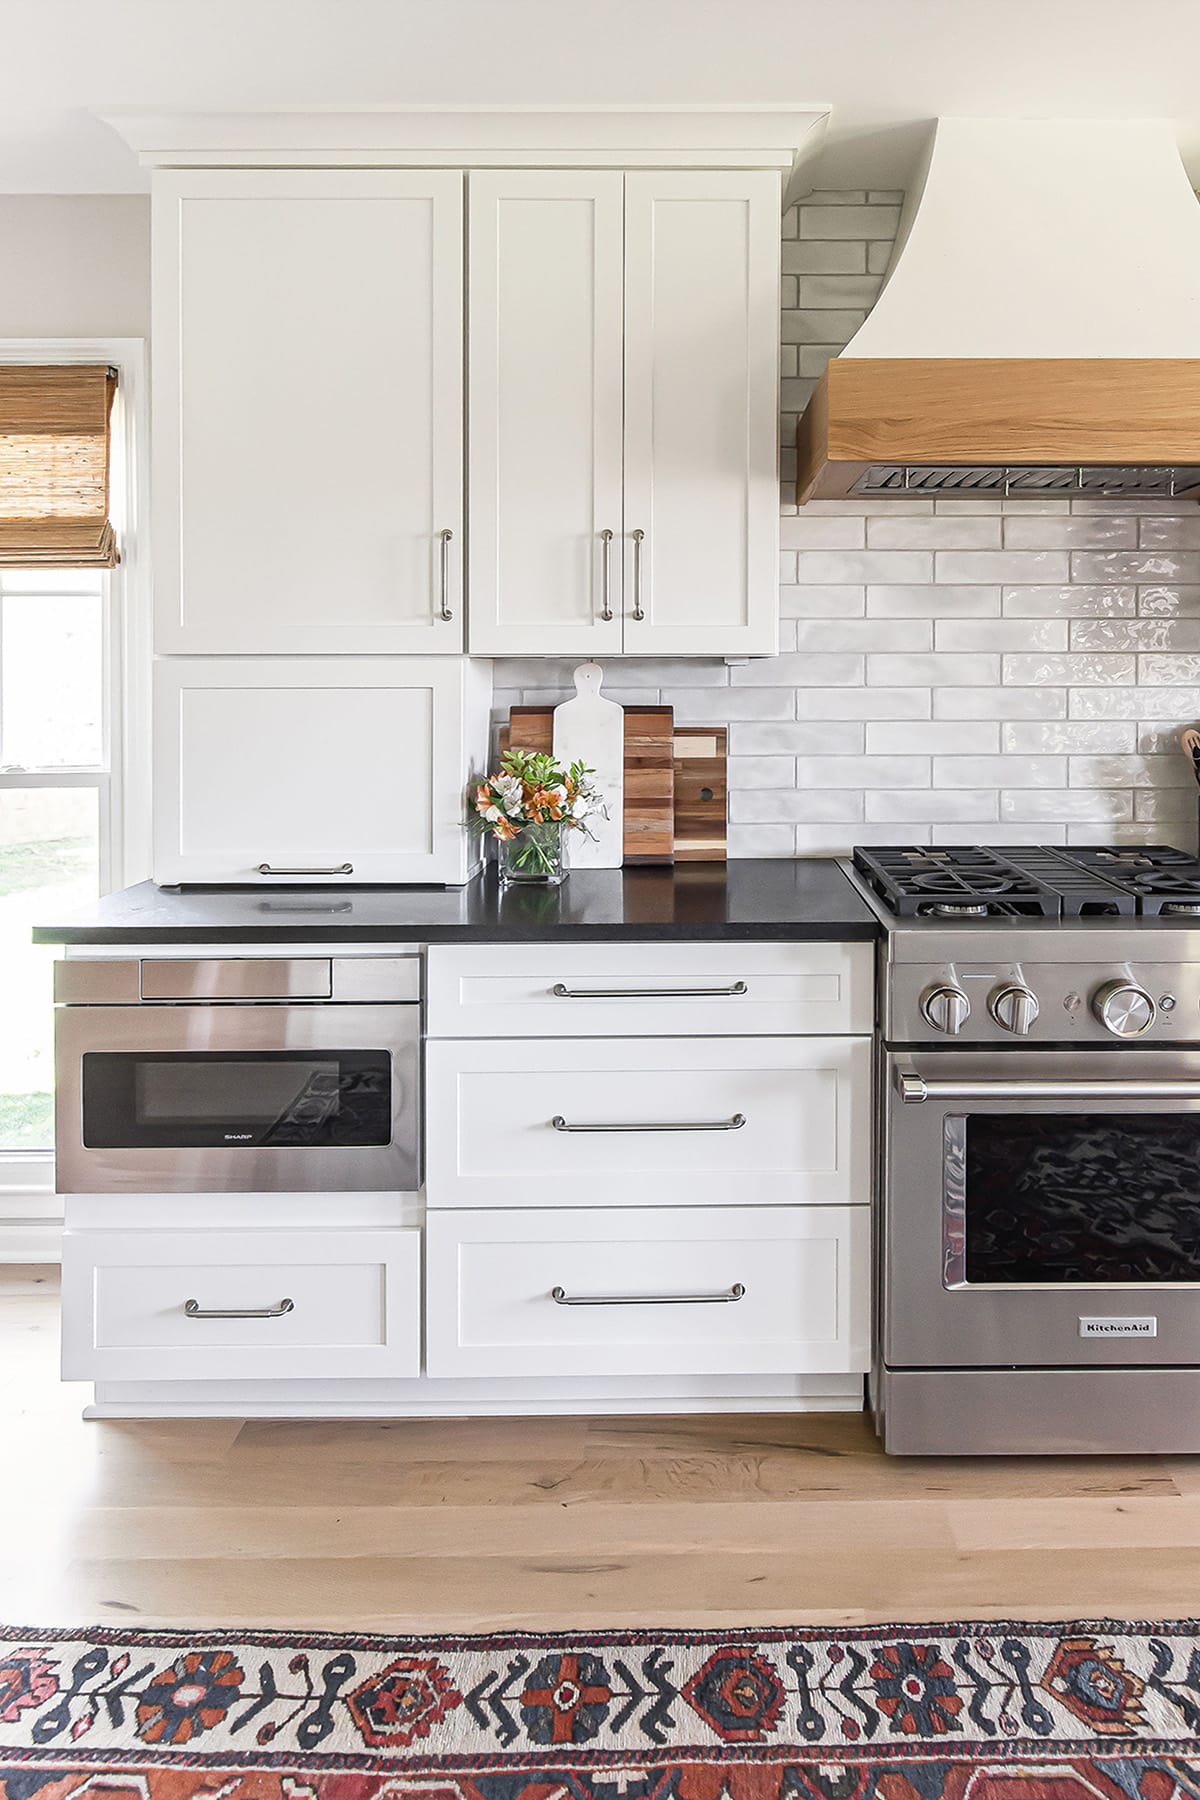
(651, 1286)
(356, 1304)
(803, 1103)
(617, 990)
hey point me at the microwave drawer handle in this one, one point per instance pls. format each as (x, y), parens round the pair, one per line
(913, 1089)
(193, 1310)
(561, 1297)
(270, 869)
(734, 1124)
(562, 992)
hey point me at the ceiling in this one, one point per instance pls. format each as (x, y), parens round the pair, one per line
(884, 66)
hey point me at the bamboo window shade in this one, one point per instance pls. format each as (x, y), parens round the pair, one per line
(55, 452)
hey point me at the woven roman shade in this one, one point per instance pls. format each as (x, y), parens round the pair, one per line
(54, 466)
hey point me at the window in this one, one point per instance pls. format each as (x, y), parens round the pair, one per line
(56, 810)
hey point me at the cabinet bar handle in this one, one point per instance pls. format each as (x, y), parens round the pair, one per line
(637, 576)
(734, 1124)
(270, 869)
(194, 1310)
(606, 538)
(444, 564)
(561, 1297)
(562, 992)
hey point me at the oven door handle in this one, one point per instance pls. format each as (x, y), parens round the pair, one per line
(913, 1089)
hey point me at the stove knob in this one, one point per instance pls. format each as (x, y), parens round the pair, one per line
(1014, 1008)
(946, 1008)
(1123, 1008)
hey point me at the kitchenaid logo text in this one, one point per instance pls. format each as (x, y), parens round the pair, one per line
(1094, 1328)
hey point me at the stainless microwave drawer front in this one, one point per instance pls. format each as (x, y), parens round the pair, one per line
(933, 1317)
(238, 978)
(244, 1030)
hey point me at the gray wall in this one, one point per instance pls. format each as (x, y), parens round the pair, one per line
(74, 265)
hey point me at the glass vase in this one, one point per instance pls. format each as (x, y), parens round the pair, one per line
(536, 855)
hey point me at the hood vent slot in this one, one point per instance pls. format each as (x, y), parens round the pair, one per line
(882, 480)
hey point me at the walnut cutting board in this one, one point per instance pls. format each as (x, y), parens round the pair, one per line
(649, 784)
(700, 793)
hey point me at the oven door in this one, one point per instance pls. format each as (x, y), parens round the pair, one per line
(237, 1099)
(1041, 1210)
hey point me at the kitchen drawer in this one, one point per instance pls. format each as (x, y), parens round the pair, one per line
(356, 1304)
(675, 1103)
(635, 990)
(650, 1291)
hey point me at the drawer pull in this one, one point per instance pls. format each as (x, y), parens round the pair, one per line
(270, 869)
(562, 992)
(194, 1310)
(561, 1297)
(734, 1124)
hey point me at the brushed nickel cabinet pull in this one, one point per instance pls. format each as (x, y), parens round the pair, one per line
(734, 1124)
(270, 869)
(561, 1297)
(606, 612)
(194, 1310)
(444, 564)
(562, 992)
(637, 576)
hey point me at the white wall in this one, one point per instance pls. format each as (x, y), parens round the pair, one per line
(74, 265)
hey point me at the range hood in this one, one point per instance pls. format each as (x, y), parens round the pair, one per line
(1039, 330)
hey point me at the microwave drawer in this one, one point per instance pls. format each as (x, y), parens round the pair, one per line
(648, 990)
(714, 1290)
(196, 1305)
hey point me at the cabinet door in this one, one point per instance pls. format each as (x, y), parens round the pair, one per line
(322, 769)
(545, 400)
(308, 411)
(701, 414)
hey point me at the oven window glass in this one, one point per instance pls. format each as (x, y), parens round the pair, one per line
(229, 1100)
(1076, 1198)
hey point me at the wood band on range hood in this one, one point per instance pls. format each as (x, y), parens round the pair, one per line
(1050, 411)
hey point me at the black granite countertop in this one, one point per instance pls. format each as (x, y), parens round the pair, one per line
(692, 901)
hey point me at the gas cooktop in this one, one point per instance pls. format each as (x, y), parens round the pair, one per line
(959, 883)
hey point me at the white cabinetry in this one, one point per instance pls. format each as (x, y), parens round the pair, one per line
(623, 347)
(322, 769)
(308, 440)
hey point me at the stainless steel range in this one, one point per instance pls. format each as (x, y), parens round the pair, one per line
(1038, 1249)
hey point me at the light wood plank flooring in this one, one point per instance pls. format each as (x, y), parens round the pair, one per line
(550, 1523)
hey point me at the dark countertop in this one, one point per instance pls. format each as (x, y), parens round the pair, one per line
(692, 901)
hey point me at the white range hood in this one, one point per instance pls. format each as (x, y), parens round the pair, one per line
(1039, 328)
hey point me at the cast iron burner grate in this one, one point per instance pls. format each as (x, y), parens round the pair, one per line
(959, 882)
(1163, 881)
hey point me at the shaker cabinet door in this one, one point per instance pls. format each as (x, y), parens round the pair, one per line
(702, 258)
(333, 770)
(545, 256)
(308, 438)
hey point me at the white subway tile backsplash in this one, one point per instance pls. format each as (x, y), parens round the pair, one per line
(978, 669)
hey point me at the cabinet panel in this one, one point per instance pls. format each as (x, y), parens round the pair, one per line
(355, 1304)
(348, 769)
(649, 990)
(626, 1122)
(545, 399)
(308, 410)
(701, 413)
(491, 1281)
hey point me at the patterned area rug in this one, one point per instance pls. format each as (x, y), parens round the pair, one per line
(1084, 1711)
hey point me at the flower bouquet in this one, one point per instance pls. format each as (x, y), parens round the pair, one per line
(528, 806)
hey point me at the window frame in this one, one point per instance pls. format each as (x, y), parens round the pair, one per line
(30, 1211)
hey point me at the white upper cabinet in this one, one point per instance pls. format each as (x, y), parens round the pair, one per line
(308, 443)
(623, 349)
(546, 297)
(701, 414)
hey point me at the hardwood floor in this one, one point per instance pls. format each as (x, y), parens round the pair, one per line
(551, 1523)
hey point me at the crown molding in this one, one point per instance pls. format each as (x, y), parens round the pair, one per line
(750, 137)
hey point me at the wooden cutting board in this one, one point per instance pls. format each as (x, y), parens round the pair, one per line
(528, 728)
(700, 793)
(649, 784)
